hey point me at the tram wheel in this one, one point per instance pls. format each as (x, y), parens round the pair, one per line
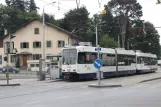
(67, 77)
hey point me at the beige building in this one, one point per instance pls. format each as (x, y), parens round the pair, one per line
(28, 42)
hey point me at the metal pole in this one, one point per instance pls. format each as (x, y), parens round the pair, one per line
(96, 37)
(99, 76)
(7, 68)
(118, 41)
(43, 54)
(9, 49)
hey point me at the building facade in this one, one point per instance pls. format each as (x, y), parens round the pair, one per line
(29, 42)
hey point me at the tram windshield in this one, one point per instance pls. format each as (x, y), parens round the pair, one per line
(69, 56)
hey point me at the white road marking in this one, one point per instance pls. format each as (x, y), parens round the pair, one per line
(103, 90)
(40, 105)
(156, 86)
(30, 103)
(85, 93)
(60, 98)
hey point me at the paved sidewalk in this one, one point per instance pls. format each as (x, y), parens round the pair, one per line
(123, 81)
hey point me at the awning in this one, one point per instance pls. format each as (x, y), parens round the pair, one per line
(24, 53)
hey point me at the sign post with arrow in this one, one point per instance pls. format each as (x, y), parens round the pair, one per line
(98, 65)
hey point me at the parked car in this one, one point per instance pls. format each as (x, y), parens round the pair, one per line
(11, 69)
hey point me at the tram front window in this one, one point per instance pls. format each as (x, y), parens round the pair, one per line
(69, 56)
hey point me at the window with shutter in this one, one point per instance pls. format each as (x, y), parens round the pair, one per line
(36, 44)
(24, 45)
(36, 30)
(48, 44)
(61, 43)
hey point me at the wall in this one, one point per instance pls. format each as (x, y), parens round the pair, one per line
(26, 34)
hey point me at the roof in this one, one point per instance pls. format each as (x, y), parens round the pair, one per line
(48, 24)
(24, 53)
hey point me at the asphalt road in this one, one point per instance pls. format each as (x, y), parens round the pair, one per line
(140, 95)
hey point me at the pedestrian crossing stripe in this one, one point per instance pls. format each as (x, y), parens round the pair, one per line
(156, 86)
(139, 85)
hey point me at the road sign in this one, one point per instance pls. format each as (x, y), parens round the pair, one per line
(97, 63)
(97, 49)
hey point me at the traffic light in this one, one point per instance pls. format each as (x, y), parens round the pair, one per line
(12, 36)
(103, 11)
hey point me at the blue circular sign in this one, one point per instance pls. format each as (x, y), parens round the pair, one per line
(97, 63)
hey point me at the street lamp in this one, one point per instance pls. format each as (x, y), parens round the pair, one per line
(98, 52)
(42, 60)
(43, 54)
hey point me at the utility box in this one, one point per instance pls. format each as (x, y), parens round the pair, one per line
(54, 72)
(41, 73)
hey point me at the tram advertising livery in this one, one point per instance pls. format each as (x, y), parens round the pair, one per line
(77, 62)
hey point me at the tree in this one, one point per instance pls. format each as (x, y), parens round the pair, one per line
(19, 4)
(76, 20)
(147, 41)
(107, 42)
(12, 17)
(128, 11)
(32, 6)
(51, 19)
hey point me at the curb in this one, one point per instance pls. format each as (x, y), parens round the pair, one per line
(4, 79)
(150, 79)
(10, 84)
(104, 86)
(54, 81)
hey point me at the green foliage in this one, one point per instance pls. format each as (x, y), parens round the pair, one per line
(146, 40)
(23, 5)
(18, 63)
(126, 12)
(12, 16)
(32, 6)
(77, 19)
(51, 19)
(107, 42)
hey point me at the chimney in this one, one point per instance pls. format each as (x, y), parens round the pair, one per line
(5, 31)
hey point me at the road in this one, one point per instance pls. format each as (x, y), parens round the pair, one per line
(139, 95)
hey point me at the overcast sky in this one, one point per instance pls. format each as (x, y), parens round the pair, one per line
(151, 11)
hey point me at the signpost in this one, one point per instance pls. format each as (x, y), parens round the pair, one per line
(9, 49)
(98, 65)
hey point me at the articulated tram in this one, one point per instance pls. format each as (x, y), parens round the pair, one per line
(77, 62)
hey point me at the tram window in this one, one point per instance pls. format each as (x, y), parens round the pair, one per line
(108, 60)
(113, 60)
(153, 61)
(86, 57)
(94, 56)
(126, 60)
(104, 60)
(138, 60)
(121, 60)
(69, 56)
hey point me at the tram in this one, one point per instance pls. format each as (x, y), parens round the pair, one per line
(77, 62)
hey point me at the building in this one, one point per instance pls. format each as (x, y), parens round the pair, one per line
(28, 42)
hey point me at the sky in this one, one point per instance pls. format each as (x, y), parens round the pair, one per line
(151, 11)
